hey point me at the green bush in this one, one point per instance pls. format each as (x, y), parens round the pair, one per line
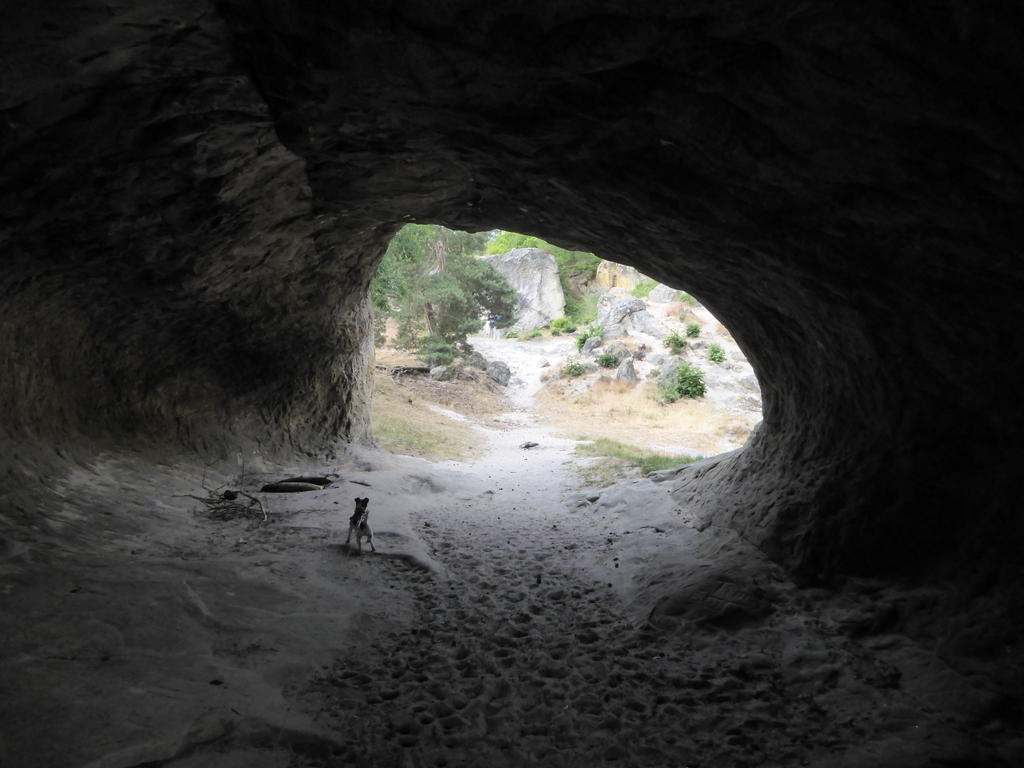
(607, 360)
(715, 353)
(562, 325)
(693, 330)
(675, 341)
(511, 335)
(556, 333)
(591, 331)
(686, 298)
(643, 289)
(436, 351)
(574, 368)
(535, 334)
(688, 381)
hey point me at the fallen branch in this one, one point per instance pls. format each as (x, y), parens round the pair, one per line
(228, 509)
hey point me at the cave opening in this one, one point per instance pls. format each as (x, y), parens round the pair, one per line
(606, 353)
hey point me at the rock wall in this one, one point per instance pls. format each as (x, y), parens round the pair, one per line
(195, 197)
(611, 275)
(534, 275)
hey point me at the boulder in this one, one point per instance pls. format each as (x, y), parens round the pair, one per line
(621, 314)
(441, 373)
(590, 344)
(644, 322)
(626, 371)
(618, 349)
(614, 331)
(534, 275)
(662, 294)
(499, 372)
(611, 309)
(476, 360)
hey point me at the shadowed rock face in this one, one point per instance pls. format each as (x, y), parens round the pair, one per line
(194, 198)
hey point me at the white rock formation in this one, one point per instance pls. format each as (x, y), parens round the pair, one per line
(534, 275)
(662, 294)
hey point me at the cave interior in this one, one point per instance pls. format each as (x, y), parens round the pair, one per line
(196, 195)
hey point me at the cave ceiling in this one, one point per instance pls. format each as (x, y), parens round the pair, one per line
(194, 197)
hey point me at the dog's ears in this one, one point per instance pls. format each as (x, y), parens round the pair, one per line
(362, 501)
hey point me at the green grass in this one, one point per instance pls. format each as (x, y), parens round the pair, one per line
(430, 440)
(583, 311)
(644, 288)
(620, 460)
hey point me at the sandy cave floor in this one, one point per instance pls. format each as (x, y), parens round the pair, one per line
(506, 619)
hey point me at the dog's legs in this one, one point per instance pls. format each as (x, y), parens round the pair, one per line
(370, 539)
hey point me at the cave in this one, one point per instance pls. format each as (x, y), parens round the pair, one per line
(195, 197)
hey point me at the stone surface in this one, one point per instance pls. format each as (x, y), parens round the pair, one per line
(477, 360)
(441, 373)
(619, 315)
(534, 275)
(662, 294)
(499, 372)
(194, 198)
(613, 275)
(590, 345)
(626, 371)
(612, 309)
(617, 348)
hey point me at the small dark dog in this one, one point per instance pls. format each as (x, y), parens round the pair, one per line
(359, 524)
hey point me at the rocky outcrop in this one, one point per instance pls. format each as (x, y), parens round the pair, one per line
(612, 275)
(662, 294)
(619, 315)
(534, 275)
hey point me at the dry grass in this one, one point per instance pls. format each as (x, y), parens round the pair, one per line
(404, 421)
(617, 461)
(635, 415)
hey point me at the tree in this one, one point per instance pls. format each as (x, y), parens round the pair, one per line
(446, 305)
(412, 251)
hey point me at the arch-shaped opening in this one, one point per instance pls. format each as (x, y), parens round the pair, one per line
(595, 349)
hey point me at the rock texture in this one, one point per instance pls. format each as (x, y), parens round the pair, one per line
(611, 274)
(534, 275)
(194, 197)
(663, 294)
(620, 315)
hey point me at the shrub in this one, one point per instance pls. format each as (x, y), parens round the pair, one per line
(688, 381)
(574, 368)
(607, 360)
(675, 341)
(556, 332)
(512, 335)
(562, 325)
(693, 330)
(436, 351)
(643, 289)
(534, 334)
(686, 298)
(591, 331)
(715, 353)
